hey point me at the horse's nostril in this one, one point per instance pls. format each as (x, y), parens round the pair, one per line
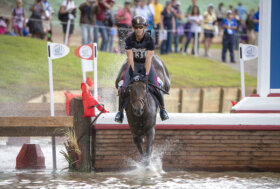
(138, 111)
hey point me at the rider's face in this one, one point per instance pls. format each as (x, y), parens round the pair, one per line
(139, 30)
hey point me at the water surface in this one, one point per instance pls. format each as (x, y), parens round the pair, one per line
(155, 177)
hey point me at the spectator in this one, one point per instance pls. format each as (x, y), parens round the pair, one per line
(167, 23)
(256, 26)
(87, 20)
(102, 6)
(35, 23)
(220, 12)
(178, 17)
(230, 25)
(109, 23)
(18, 18)
(47, 25)
(243, 32)
(209, 22)
(142, 10)
(158, 9)
(7, 29)
(25, 31)
(238, 30)
(68, 8)
(250, 27)
(3, 26)
(189, 9)
(242, 11)
(230, 7)
(195, 19)
(187, 26)
(134, 9)
(123, 20)
(151, 14)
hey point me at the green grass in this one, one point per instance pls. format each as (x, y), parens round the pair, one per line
(24, 70)
(190, 71)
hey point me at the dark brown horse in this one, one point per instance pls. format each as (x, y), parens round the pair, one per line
(142, 108)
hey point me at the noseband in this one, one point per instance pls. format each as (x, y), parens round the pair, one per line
(141, 100)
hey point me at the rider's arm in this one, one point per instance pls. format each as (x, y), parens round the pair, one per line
(149, 55)
(129, 53)
(148, 62)
(130, 62)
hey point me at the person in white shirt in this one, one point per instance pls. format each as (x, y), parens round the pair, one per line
(68, 7)
(47, 20)
(142, 9)
(134, 9)
(196, 20)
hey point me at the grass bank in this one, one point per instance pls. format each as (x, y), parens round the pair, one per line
(24, 70)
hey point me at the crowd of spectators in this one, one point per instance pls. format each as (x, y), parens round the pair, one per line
(173, 29)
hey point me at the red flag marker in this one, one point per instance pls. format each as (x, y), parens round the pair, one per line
(85, 52)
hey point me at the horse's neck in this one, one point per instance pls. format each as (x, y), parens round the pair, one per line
(150, 100)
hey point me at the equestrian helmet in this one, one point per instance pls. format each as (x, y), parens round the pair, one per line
(139, 20)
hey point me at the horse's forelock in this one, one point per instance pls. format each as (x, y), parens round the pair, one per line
(135, 90)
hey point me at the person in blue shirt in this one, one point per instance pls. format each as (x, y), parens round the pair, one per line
(167, 23)
(229, 25)
(242, 11)
(256, 25)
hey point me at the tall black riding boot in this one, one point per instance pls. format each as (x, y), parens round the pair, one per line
(119, 115)
(163, 113)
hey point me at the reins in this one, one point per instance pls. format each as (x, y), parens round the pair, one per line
(164, 91)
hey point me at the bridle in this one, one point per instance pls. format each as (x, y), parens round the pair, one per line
(141, 100)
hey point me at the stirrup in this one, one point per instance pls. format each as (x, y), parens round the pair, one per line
(119, 117)
(163, 114)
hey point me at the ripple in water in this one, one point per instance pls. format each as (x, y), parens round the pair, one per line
(139, 177)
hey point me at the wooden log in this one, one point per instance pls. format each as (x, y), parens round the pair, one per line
(173, 101)
(190, 100)
(229, 94)
(36, 121)
(82, 130)
(211, 150)
(35, 126)
(31, 109)
(211, 100)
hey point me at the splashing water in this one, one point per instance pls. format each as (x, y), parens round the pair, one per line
(155, 167)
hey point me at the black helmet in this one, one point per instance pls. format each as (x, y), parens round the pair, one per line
(139, 20)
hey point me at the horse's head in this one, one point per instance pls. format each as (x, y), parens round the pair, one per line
(138, 95)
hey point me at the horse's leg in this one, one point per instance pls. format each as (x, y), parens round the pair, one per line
(137, 141)
(149, 145)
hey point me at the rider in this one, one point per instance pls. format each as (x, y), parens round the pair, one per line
(140, 47)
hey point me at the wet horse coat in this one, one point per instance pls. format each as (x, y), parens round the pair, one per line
(141, 110)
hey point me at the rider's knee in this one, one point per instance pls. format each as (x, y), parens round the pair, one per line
(120, 87)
